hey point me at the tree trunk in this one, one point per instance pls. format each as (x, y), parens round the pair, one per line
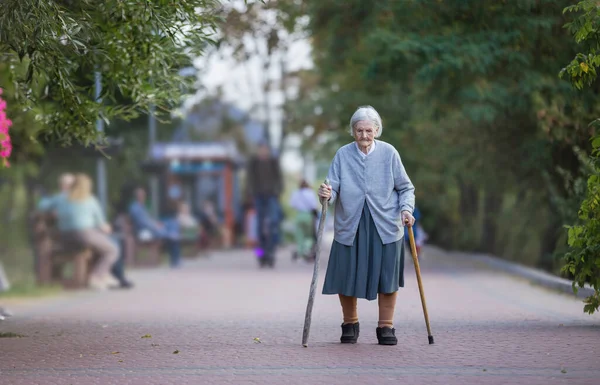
(9, 209)
(469, 200)
(284, 104)
(30, 204)
(492, 204)
(30, 186)
(548, 245)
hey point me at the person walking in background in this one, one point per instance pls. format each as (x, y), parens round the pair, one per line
(143, 222)
(264, 187)
(81, 221)
(304, 201)
(373, 198)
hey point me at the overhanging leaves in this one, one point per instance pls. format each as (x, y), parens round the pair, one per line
(137, 46)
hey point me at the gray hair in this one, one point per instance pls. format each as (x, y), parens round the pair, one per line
(366, 113)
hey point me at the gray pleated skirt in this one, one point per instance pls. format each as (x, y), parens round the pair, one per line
(366, 268)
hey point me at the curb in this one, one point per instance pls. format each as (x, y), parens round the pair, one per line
(536, 276)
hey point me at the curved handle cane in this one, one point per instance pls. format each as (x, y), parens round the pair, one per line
(313, 284)
(413, 250)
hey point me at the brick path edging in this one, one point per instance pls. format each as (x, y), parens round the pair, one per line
(536, 276)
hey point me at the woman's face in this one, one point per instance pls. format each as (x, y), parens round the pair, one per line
(84, 184)
(184, 209)
(364, 133)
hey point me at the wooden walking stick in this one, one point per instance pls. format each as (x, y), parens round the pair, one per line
(313, 284)
(413, 250)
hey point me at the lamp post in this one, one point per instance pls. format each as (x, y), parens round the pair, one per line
(100, 164)
(153, 178)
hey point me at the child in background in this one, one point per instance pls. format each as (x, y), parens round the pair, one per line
(418, 232)
(304, 201)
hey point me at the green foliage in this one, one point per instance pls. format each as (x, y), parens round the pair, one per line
(137, 46)
(583, 260)
(582, 70)
(11, 335)
(469, 95)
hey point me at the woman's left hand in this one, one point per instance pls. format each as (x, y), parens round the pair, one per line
(106, 228)
(407, 218)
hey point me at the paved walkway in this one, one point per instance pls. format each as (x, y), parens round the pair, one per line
(490, 328)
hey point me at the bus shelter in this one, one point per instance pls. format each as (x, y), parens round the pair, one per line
(199, 174)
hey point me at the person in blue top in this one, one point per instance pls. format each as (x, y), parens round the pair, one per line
(143, 223)
(374, 199)
(65, 182)
(81, 221)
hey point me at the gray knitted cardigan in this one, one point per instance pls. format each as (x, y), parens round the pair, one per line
(381, 180)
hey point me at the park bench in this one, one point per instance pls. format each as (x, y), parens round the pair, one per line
(190, 241)
(54, 256)
(138, 252)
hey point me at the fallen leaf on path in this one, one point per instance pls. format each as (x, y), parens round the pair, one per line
(146, 336)
(563, 371)
(176, 352)
(115, 352)
(257, 340)
(10, 335)
(120, 360)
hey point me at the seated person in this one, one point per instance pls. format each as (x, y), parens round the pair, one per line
(81, 221)
(148, 228)
(48, 203)
(211, 224)
(187, 222)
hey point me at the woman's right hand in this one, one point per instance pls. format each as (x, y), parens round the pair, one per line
(324, 191)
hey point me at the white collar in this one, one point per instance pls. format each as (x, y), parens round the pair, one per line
(370, 149)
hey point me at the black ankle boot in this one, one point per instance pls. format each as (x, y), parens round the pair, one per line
(386, 336)
(350, 333)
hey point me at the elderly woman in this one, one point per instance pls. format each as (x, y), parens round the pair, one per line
(81, 221)
(373, 198)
